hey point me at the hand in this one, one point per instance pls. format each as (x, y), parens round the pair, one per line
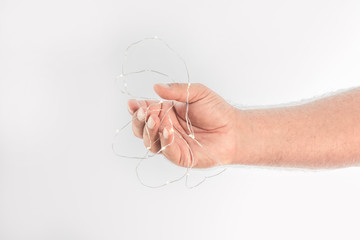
(215, 125)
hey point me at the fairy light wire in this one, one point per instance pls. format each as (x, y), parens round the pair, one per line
(177, 132)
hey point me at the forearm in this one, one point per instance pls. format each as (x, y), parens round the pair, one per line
(320, 134)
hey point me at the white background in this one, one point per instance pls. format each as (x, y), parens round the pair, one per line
(59, 178)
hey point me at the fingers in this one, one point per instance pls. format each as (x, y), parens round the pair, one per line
(178, 91)
(156, 137)
(169, 149)
(133, 106)
(141, 111)
(151, 133)
(138, 121)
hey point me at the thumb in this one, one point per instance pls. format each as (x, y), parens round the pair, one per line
(179, 91)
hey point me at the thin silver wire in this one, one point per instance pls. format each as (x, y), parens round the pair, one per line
(178, 132)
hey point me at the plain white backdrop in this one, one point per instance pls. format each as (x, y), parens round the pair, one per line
(59, 108)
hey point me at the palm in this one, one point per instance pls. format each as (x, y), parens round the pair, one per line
(212, 124)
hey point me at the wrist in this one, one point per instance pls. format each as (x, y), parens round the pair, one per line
(243, 134)
(255, 144)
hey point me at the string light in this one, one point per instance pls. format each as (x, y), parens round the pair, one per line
(122, 78)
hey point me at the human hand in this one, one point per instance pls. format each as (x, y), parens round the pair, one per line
(215, 125)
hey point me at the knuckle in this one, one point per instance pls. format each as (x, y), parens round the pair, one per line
(201, 91)
(174, 84)
(153, 149)
(138, 135)
(146, 142)
(149, 142)
(200, 85)
(137, 132)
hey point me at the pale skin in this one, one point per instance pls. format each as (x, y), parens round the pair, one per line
(324, 133)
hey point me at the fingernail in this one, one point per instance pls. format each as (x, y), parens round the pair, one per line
(165, 133)
(130, 111)
(150, 123)
(140, 114)
(163, 85)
